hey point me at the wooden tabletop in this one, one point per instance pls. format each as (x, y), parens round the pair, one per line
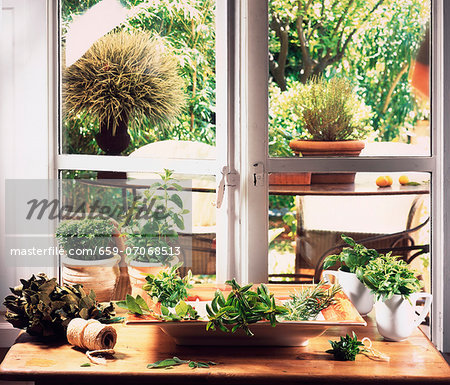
(412, 361)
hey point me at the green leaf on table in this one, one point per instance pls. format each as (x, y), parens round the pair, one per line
(86, 365)
(167, 363)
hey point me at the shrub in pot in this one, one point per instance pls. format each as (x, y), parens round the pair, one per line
(122, 77)
(90, 255)
(352, 261)
(334, 120)
(396, 290)
(151, 230)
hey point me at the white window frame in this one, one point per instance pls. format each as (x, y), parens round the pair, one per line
(225, 230)
(254, 121)
(242, 97)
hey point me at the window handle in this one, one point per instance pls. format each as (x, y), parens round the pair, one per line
(228, 179)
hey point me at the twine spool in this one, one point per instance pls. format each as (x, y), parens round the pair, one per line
(91, 334)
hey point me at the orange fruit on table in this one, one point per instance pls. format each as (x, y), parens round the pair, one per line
(403, 180)
(384, 181)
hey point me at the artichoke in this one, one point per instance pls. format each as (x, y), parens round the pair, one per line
(44, 308)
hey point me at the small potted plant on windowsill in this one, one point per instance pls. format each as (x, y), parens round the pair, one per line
(151, 231)
(91, 255)
(335, 121)
(396, 290)
(352, 261)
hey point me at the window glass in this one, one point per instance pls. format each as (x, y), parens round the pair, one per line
(347, 70)
(386, 211)
(159, 220)
(135, 72)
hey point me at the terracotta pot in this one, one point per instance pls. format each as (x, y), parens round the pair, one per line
(101, 275)
(290, 178)
(137, 271)
(314, 148)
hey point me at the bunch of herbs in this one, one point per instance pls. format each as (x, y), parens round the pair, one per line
(352, 259)
(44, 308)
(242, 308)
(387, 276)
(308, 303)
(167, 287)
(346, 348)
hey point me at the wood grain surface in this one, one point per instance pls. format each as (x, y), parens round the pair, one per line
(412, 361)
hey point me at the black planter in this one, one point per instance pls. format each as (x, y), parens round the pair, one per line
(113, 144)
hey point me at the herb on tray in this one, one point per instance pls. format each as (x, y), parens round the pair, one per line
(387, 276)
(352, 259)
(242, 307)
(346, 348)
(183, 312)
(308, 303)
(134, 305)
(86, 365)
(167, 286)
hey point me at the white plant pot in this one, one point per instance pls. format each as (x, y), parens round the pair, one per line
(354, 289)
(396, 317)
(100, 275)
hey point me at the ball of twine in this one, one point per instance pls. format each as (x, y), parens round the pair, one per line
(91, 334)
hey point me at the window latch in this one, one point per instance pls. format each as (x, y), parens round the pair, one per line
(258, 174)
(228, 179)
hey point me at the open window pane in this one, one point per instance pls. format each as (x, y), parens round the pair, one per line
(135, 73)
(159, 220)
(306, 222)
(369, 60)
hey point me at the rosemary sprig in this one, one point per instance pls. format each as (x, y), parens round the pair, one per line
(307, 304)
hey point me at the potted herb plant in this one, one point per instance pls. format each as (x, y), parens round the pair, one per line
(352, 261)
(396, 290)
(335, 121)
(151, 229)
(166, 288)
(122, 77)
(90, 255)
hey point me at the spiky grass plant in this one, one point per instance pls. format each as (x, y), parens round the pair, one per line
(330, 110)
(125, 75)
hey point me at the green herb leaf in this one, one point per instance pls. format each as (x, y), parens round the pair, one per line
(346, 348)
(87, 364)
(132, 305)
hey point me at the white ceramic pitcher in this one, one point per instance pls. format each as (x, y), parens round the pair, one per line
(396, 317)
(354, 289)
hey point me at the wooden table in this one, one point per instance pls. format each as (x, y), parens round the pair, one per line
(412, 361)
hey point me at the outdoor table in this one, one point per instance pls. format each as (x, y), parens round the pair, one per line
(413, 361)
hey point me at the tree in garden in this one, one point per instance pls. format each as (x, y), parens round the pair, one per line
(380, 59)
(307, 36)
(374, 49)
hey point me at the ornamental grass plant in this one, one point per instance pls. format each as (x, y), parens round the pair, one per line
(125, 75)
